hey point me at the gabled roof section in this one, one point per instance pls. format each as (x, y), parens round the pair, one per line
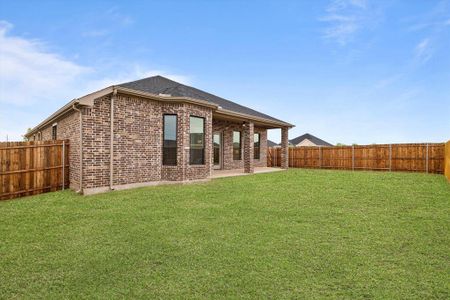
(163, 89)
(271, 144)
(161, 85)
(310, 137)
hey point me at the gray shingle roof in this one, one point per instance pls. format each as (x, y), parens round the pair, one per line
(310, 137)
(161, 85)
(271, 144)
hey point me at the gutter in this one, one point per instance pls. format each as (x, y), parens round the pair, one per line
(111, 142)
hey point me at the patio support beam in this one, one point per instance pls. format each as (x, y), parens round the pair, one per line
(248, 147)
(284, 148)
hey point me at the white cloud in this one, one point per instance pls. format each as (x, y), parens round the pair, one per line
(30, 73)
(388, 81)
(345, 18)
(423, 50)
(116, 15)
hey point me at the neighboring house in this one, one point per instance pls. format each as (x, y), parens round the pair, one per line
(153, 130)
(272, 144)
(308, 140)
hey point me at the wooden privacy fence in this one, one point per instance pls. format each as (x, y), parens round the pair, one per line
(427, 157)
(29, 168)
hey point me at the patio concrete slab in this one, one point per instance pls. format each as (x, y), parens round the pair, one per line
(240, 172)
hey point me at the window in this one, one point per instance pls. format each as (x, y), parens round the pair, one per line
(54, 132)
(256, 144)
(170, 140)
(197, 141)
(236, 145)
(39, 136)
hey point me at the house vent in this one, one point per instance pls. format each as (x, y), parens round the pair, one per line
(165, 95)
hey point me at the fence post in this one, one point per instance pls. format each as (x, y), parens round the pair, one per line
(320, 157)
(291, 157)
(426, 162)
(275, 153)
(390, 157)
(353, 158)
(63, 163)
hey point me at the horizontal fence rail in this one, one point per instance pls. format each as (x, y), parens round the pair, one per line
(425, 157)
(29, 168)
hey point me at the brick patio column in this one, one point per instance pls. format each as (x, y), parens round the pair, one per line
(248, 147)
(284, 148)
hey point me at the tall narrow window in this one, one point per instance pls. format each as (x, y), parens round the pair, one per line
(170, 140)
(54, 132)
(236, 145)
(256, 144)
(197, 141)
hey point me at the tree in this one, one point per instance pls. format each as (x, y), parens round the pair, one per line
(24, 136)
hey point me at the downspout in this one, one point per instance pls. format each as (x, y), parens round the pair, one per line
(111, 150)
(81, 147)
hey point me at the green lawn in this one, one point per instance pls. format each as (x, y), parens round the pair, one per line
(294, 234)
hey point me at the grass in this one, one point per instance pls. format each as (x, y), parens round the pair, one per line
(294, 234)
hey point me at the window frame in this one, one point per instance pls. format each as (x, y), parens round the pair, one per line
(240, 145)
(259, 146)
(55, 132)
(176, 140)
(190, 141)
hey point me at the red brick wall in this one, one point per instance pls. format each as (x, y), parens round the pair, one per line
(68, 127)
(138, 135)
(137, 140)
(96, 143)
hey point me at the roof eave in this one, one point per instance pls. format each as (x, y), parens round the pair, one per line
(276, 124)
(87, 100)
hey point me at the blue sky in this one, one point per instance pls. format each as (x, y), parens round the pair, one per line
(349, 71)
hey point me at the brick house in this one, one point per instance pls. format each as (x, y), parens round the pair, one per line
(156, 130)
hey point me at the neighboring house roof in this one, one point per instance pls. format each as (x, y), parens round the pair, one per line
(311, 138)
(271, 144)
(161, 85)
(163, 89)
